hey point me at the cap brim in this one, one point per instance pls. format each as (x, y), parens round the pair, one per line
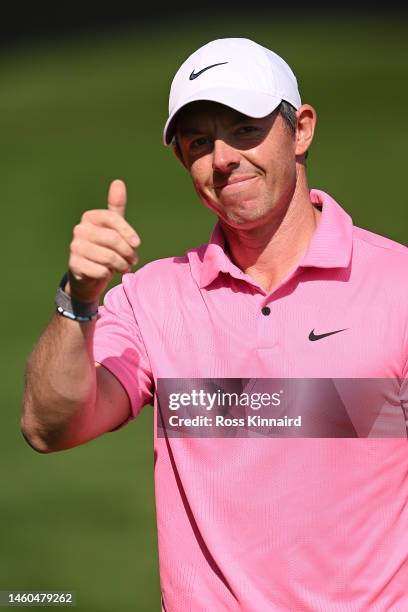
(249, 103)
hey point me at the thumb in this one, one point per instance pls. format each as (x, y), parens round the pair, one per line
(117, 197)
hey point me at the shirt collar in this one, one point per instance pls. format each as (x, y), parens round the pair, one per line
(331, 243)
(330, 246)
(215, 259)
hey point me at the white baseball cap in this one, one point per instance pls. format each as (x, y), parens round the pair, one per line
(237, 72)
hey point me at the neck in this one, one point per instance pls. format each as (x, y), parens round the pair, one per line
(269, 252)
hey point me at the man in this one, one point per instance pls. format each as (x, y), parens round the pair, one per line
(285, 288)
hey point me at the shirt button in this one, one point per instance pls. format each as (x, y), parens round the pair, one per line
(266, 311)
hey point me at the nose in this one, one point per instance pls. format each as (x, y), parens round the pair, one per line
(225, 157)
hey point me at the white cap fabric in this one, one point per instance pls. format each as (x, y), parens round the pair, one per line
(237, 72)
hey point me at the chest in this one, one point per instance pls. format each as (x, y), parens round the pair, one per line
(315, 329)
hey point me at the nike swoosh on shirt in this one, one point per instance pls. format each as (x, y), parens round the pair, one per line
(194, 75)
(313, 336)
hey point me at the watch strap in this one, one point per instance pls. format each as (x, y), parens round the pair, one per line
(71, 308)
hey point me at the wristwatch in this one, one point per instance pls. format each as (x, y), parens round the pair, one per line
(69, 307)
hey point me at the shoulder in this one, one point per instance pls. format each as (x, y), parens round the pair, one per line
(157, 270)
(376, 241)
(165, 276)
(389, 255)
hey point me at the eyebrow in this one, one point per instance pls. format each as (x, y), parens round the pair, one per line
(238, 118)
(189, 131)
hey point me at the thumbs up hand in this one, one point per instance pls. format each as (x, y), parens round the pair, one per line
(103, 243)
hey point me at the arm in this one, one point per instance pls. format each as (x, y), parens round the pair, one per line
(68, 398)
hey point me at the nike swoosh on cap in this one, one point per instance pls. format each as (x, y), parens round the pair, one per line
(313, 336)
(194, 75)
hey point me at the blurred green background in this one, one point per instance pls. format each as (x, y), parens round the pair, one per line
(76, 113)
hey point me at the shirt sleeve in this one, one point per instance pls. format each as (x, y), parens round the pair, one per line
(119, 347)
(404, 381)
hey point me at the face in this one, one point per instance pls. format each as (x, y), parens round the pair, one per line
(244, 169)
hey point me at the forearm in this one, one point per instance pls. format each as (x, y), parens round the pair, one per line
(60, 394)
(60, 382)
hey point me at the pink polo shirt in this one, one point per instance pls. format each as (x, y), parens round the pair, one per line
(272, 524)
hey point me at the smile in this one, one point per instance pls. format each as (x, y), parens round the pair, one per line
(236, 183)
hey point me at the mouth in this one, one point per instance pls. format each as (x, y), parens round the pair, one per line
(235, 183)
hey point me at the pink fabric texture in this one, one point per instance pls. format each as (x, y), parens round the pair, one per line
(258, 525)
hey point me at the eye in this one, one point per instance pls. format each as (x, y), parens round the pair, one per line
(202, 141)
(248, 129)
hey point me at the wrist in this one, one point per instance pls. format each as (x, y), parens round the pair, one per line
(71, 286)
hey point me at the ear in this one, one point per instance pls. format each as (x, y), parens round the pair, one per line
(306, 123)
(177, 151)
